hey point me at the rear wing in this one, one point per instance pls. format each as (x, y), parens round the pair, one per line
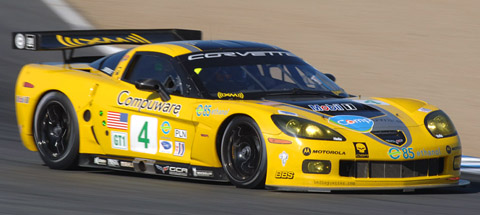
(63, 40)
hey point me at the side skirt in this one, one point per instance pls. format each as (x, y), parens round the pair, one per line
(153, 167)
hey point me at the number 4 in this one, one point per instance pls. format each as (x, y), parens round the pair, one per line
(143, 136)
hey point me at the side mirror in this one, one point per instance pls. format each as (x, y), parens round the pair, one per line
(330, 76)
(152, 85)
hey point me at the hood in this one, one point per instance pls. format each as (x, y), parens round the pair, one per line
(363, 116)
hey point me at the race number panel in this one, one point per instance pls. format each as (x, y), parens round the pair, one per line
(143, 134)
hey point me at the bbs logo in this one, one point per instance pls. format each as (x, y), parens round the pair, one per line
(284, 175)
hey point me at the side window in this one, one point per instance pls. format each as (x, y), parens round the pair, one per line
(109, 63)
(155, 66)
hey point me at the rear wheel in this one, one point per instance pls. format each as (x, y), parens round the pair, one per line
(55, 130)
(243, 153)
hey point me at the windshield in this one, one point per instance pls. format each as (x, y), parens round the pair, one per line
(257, 73)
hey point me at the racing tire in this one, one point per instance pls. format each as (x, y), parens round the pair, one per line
(55, 131)
(243, 153)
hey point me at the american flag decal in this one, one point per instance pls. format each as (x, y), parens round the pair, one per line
(117, 120)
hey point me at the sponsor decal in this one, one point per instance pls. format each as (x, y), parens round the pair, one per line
(207, 110)
(126, 164)
(230, 95)
(433, 152)
(307, 151)
(426, 110)
(108, 70)
(334, 183)
(283, 157)
(113, 163)
(409, 153)
(166, 146)
(333, 107)
(202, 173)
(119, 140)
(179, 148)
(171, 170)
(238, 54)
(179, 133)
(204, 135)
(100, 161)
(165, 127)
(22, 99)
(284, 174)
(117, 120)
(123, 99)
(287, 113)
(84, 41)
(372, 102)
(356, 123)
(361, 150)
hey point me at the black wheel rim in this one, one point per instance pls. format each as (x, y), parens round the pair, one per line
(53, 131)
(243, 153)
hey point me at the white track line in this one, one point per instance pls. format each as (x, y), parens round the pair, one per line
(76, 21)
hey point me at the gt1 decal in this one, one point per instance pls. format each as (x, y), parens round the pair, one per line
(165, 127)
(143, 134)
(179, 149)
(207, 110)
(333, 107)
(239, 54)
(166, 146)
(179, 133)
(361, 150)
(165, 107)
(230, 95)
(284, 174)
(283, 157)
(356, 123)
(119, 140)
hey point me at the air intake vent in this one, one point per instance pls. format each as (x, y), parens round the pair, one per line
(392, 169)
(392, 137)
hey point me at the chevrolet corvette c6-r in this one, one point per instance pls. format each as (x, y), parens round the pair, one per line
(245, 112)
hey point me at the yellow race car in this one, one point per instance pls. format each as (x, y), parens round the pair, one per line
(245, 112)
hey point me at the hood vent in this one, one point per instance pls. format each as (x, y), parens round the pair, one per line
(394, 137)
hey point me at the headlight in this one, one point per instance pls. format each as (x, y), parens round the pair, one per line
(303, 128)
(439, 125)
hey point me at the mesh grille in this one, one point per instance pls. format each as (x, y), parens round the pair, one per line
(392, 169)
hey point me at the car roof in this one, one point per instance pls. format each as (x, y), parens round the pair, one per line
(177, 48)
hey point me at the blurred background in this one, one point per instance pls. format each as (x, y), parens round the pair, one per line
(423, 49)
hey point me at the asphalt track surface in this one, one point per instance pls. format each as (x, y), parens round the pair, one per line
(29, 187)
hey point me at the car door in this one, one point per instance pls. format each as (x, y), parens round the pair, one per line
(138, 123)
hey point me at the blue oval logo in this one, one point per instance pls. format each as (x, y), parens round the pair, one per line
(166, 145)
(356, 123)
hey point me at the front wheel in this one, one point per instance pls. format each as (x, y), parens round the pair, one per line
(243, 153)
(55, 130)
